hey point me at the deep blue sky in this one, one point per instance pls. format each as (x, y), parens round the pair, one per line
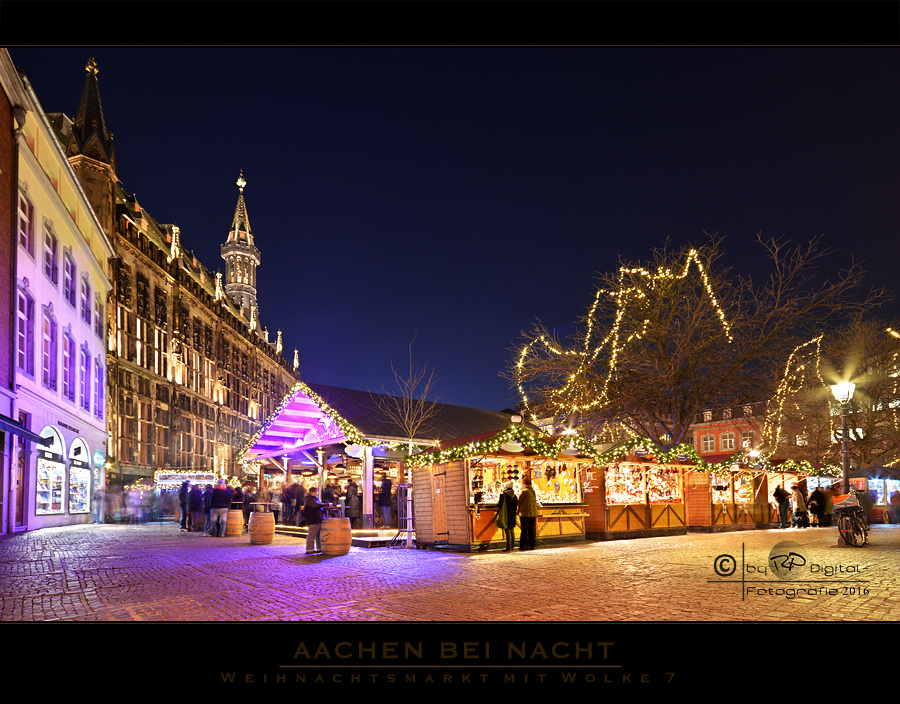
(464, 192)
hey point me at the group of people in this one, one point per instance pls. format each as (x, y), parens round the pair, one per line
(802, 510)
(129, 505)
(206, 509)
(525, 508)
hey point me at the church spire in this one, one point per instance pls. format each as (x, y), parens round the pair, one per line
(91, 138)
(241, 258)
(91, 153)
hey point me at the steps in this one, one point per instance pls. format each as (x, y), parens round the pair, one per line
(359, 537)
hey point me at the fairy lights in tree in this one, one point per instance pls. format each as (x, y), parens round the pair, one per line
(580, 392)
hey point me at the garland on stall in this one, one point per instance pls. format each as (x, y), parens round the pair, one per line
(681, 454)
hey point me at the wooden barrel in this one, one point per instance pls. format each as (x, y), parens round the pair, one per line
(261, 527)
(335, 535)
(235, 523)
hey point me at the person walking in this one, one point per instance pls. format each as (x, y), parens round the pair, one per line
(816, 507)
(312, 519)
(219, 502)
(506, 515)
(97, 501)
(783, 499)
(183, 494)
(528, 513)
(800, 517)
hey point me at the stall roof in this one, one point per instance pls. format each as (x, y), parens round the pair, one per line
(875, 472)
(316, 415)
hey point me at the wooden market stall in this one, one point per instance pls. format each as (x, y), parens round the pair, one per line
(458, 484)
(635, 495)
(879, 484)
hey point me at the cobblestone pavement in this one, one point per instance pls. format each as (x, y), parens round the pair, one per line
(153, 572)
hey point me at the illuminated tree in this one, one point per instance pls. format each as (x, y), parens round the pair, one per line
(663, 341)
(866, 353)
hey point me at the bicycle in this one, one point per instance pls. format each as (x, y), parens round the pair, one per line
(851, 520)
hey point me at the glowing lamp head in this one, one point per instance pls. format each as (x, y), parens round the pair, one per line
(843, 391)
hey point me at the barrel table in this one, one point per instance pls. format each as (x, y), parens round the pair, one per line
(261, 525)
(335, 536)
(235, 523)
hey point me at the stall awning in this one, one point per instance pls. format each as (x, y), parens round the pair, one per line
(10, 426)
(314, 416)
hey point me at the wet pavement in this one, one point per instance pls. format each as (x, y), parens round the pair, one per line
(153, 572)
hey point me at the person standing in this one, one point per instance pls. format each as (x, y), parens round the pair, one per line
(195, 504)
(353, 503)
(528, 513)
(506, 515)
(183, 494)
(219, 502)
(783, 499)
(816, 507)
(312, 518)
(384, 501)
(205, 509)
(97, 503)
(799, 500)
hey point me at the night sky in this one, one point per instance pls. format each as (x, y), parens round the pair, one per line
(462, 193)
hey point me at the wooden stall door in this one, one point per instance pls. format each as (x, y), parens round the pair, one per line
(439, 504)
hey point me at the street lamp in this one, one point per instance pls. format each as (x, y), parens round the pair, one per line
(843, 392)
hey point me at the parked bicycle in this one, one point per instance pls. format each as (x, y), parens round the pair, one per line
(851, 519)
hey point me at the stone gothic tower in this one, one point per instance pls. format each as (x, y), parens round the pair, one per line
(91, 153)
(241, 258)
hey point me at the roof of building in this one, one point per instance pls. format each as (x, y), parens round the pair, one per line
(314, 415)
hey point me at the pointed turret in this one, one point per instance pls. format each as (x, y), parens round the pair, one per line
(241, 258)
(91, 153)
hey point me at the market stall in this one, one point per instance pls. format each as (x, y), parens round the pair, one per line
(639, 497)
(458, 484)
(879, 484)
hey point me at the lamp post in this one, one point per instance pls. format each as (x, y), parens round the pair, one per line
(843, 392)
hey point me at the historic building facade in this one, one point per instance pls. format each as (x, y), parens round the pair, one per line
(191, 374)
(59, 288)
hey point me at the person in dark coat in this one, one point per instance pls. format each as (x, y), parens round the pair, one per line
(183, 494)
(384, 501)
(205, 507)
(219, 502)
(195, 504)
(506, 514)
(249, 498)
(353, 503)
(816, 507)
(784, 504)
(312, 518)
